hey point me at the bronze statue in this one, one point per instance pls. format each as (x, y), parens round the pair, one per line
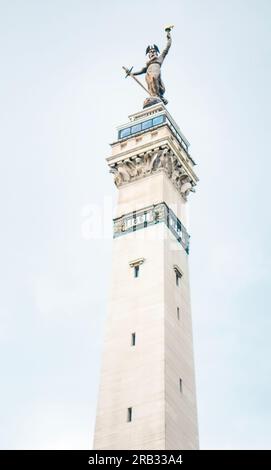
(156, 87)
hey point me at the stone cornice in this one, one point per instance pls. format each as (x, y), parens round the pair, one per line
(171, 137)
(148, 159)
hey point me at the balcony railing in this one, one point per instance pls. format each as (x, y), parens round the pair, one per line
(149, 216)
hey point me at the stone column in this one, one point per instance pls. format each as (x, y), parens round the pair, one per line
(147, 396)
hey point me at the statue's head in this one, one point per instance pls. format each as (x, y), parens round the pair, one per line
(153, 51)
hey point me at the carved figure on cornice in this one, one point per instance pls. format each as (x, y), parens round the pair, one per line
(124, 172)
(139, 165)
(131, 167)
(167, 163)
(186, 187)
(159, 160)
(155, 160)
(178, 171)
(148, 159)
(117, 176)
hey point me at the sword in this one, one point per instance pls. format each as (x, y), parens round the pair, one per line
(129, 73)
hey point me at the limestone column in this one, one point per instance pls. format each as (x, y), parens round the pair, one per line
(147, 397)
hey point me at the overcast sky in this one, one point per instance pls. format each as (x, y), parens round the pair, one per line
(62, 95)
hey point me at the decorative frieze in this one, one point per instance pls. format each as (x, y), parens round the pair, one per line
(152, 161)
(150, 216)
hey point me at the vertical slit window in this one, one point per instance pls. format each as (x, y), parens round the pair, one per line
(181, 385)
(129, 415)
(133, 339)
(178, 313)
(177, 279)
(178, 275)
(135, 265)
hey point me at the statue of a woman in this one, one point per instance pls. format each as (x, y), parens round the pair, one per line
(152, 69)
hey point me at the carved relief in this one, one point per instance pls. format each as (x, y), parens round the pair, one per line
(150, 162)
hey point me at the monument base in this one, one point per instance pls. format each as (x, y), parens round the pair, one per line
(151, 100)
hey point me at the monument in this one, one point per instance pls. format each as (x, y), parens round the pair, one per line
(147, 397)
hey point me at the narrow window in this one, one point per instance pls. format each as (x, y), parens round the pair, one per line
(181, 385)
(178, 275)
(178, 313)
(129, 415)
(135, 265)
(178, 278)
(133, 339)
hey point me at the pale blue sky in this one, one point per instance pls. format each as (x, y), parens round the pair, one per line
(62, 95)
